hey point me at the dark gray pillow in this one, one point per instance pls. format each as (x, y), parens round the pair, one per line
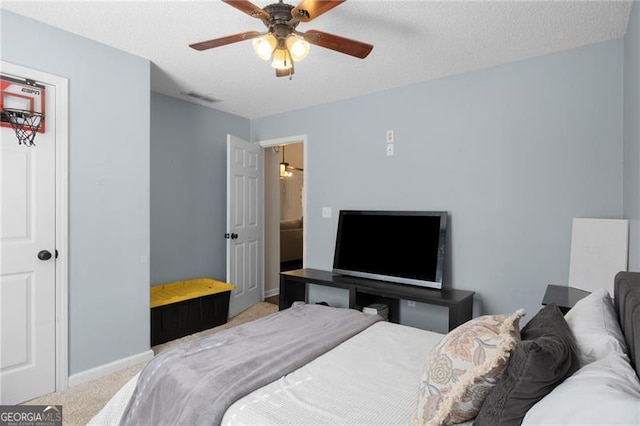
(544, 357)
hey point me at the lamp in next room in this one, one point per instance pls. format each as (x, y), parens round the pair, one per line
(284, 173)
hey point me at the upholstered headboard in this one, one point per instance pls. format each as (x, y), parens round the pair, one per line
(627, 301)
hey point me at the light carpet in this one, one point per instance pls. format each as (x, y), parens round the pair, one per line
(81, 403)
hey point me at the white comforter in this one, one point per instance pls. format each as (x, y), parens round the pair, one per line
(370, 379)
(373, 378)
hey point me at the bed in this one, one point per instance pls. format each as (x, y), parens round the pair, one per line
(580, 368)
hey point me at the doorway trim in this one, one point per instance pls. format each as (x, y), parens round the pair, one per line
(268, 144)
(62, 212)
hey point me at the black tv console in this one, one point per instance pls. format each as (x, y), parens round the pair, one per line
(363, 292)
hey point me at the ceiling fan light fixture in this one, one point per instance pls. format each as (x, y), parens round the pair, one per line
(282, 43)
(282, 59)
(264, 46)
(298, 47)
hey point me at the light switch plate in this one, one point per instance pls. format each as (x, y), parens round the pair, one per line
(390, 136)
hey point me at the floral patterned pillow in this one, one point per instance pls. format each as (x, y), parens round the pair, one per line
(463, 367)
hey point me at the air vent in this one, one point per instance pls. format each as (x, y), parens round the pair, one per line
(201, 97)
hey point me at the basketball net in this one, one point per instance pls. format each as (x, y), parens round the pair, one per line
(25, 124)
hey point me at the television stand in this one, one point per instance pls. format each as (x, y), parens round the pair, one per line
(363, 291)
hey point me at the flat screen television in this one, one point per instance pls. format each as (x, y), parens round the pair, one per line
(405, 247)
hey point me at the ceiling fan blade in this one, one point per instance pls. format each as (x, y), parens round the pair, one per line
(248, 8)
(339, 44)
(222, 41)
(314, 8)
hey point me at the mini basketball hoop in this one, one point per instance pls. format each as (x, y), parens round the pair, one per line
(25, 123)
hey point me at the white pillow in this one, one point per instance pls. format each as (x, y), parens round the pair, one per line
(593, 321)
(604, 392)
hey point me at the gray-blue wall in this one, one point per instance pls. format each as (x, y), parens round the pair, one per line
(108, 186)
(632, 135)
(188, 188)
(513, 153)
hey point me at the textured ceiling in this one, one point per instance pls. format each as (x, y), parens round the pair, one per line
(413, 41)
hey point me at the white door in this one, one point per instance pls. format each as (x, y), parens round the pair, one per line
(27, 283)
(245, 225)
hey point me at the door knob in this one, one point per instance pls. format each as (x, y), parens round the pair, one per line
(44, 255)
(234, 236)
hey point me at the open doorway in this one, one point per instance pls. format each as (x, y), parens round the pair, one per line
(291, 177)
(284, 203)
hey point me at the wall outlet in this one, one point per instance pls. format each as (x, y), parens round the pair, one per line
(326, 212)
(411, 303)
(389, 149)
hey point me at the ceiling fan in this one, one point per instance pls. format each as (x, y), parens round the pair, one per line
(282, 43)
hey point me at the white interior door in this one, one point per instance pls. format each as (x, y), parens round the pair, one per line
(27, 283)
(245, 224)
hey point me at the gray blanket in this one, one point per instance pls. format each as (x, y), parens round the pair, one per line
(196, 383)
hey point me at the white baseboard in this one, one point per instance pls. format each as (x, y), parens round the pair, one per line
(112, 367)
(271, 292)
